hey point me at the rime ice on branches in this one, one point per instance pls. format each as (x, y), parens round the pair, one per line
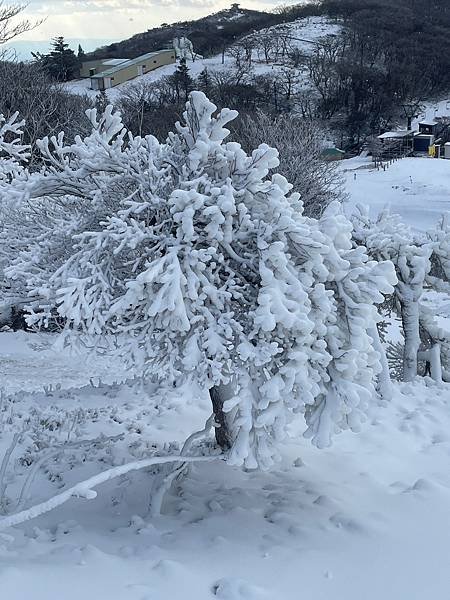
(201, 265)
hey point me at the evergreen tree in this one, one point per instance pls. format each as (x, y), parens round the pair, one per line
(183, 82)
(204, 81)
(61, 63)
(101, 102)
(81, 53)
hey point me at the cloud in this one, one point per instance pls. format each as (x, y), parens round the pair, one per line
(118, 19)
(115, 6)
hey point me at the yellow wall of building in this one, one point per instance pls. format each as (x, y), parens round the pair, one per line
(151, 63)
(98, 65)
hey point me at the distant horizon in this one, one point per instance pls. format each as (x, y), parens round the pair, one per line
(24, 48)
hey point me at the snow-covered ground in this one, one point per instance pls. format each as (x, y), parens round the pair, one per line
(418, 189)
(63, 369)
(368, 518)
(433, 110)
(306, 30)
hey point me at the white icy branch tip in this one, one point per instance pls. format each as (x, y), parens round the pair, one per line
(86, 494)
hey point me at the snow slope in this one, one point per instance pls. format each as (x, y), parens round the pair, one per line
(58, 368)
(418, 189)
(433, 110)
(368, 518)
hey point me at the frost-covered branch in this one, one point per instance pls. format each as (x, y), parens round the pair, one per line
(13, 154)
(85, 489)
(4, 465)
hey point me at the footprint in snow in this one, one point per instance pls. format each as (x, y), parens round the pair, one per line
(325, 502)
(439, 438)
(341, 521)
(237, 589)
(398, 486)
(168, 568)
(423, 485)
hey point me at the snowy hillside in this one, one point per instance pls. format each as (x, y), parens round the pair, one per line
(306, 30)
(367, 518)
(417, 188)
(433, 110)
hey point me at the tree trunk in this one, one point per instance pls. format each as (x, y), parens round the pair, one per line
(384, 384)
(432, 358)
(219, 395)
(410, 320)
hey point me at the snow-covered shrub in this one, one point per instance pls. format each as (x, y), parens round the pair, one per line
(51, 440)
(202, 267)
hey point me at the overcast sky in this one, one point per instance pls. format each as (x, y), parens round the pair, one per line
(118, 19)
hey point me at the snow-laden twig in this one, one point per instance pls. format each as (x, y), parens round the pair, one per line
(197, 435)
(84, 489)
(4, 465)
(158, 495)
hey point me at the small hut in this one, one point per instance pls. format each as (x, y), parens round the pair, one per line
(447, 150)
(426, 136)
(395, 144)
(330, 154)
(427, 127)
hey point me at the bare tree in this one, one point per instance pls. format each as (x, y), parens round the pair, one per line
(265, 45)
(10, 25)
(150, 107)
(285, 41)
(239, 53)
(300, 143)
(45, 108)
(288, 80)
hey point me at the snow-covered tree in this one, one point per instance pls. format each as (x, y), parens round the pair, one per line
(200, 266)
(422, 260)
(437, 339)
